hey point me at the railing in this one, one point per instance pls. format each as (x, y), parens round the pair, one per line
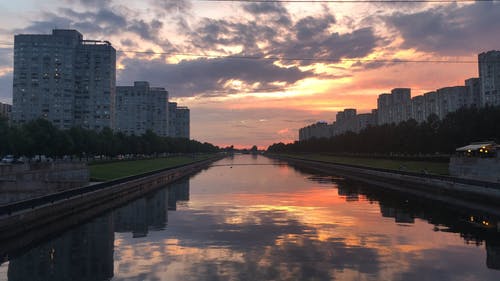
(486, 184)
(32, 203)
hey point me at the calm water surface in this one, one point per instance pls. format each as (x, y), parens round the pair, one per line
(269, 221)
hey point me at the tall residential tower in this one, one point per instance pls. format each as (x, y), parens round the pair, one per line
(489, 73)
(64, 79)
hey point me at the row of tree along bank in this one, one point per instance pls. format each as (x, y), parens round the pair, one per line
(433, 136)
(40, 137)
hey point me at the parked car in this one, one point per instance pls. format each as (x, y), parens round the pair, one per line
(8, 159)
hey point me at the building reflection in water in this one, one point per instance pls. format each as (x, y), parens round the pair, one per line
(140, 216)
(404, 209)
(178, 191)
(84, 253)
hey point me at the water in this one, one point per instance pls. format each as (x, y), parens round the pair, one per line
(269, 222)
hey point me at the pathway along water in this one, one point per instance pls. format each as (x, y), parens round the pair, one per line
(269, 222)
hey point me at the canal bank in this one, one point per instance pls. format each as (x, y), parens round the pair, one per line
(479, 195)
(28, 221)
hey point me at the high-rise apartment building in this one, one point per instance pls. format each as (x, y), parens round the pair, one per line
(140, 108)
(384, 115)
(401, 104)
(64, 79)
(178, 121)
(450, 99)
(418, 108)
(489, 73)
(394, 107)
(473, 92)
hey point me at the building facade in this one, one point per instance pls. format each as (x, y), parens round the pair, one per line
(473, 86)
(489, 73)
(64, 79)
(418, 108)
(178, 121)
(140, 108)
(450, 99)
(5, 110)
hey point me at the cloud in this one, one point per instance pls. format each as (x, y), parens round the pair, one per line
(309, 27)
(203, 76)
(100, 23)
(181, 6)
(310, 37)
(450, 29)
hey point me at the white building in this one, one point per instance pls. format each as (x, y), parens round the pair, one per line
(450, 99)
(178, 121)
(140, 108)
(489, 73)
(64, 79)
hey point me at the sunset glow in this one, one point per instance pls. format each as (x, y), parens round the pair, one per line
(292, 64)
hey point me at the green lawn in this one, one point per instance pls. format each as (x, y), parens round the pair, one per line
(120, 169)
(438, 168)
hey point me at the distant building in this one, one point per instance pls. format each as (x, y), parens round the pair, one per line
(450, 99)
(473, 92)
(346, 121)
(5, 110)
(64, 79)
(318, 130)
(394, 107)
(418, 109)
(401, 104)
(364, 120)
(489, 73)
(431, 104)
(178, 121)
(384, 108)
(140, 108)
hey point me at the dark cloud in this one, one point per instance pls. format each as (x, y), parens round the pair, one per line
(100, 23)
(212, 34)
(265, 8)
(271, 11)
(181, 6)
(310, 38)
(204, 76)
(308, 27)
(128, 43)
(331, 48)
(450, 29)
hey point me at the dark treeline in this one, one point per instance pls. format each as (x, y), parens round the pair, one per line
(40, 137)
(432, 136)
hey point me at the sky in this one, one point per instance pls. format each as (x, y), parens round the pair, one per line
(253, 73)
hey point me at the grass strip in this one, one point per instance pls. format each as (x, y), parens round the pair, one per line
(120, 169)
(437, 168)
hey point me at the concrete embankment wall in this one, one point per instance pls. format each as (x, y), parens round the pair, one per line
(23, 181)
(447, 189)
(24, 227)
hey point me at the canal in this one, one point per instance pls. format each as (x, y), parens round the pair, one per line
(253, 218)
